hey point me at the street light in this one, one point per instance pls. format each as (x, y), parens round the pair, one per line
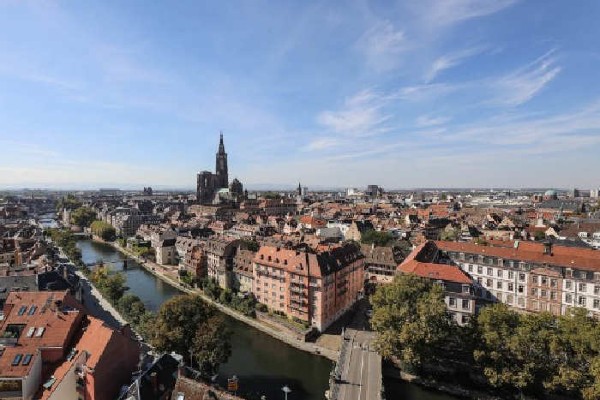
(286, 390)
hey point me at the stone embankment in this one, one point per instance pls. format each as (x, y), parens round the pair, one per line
(161, 273)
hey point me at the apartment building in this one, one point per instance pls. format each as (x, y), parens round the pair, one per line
(459, 288)
(51, 350)
(530, 276)
(316, 288)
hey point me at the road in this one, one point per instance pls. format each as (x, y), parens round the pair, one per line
(360, 377)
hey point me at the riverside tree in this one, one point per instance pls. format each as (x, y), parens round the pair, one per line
(83, 216)
(187, 324)
(411, 320)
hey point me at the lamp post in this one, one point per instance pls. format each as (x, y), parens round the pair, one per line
(286, 390)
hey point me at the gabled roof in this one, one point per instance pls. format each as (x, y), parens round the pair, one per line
(443, 272)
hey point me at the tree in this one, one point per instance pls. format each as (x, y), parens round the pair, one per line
(378, 238)
(186, 322)
(496, 329)
(132, 307)
(83, 216)
(211, 345)
(103, 230)
(411, 320)
(68, 202)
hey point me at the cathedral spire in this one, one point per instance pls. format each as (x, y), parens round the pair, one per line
(221, 145)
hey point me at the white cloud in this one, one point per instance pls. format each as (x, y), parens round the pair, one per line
(382, 45)
(522, 85)
(450, 60)
(362, 115)
(442, 13)
(427, 121)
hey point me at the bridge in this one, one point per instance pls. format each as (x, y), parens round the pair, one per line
(357, 374)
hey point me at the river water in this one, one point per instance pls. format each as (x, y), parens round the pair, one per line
(262, 364)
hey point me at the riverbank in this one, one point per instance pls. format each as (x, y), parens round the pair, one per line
(163, 274)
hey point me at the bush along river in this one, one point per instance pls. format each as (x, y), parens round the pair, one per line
(262, 363)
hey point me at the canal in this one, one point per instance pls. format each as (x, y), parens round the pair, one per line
(262, 364)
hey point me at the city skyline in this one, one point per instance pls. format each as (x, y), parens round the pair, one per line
(454, 93)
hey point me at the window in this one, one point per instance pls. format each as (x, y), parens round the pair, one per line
(534, 279)
(499, 273)
(465, 304)
(40, 331)
(511, 275)
(464, 319)
(534, 291)
(521, 277)
(596, 303)
(31, 331)
(511, 287)
(544, 280)
(490, 271)
(581, 301)
(520, 289)
(521, 302)
(568, 298)
(17, 360)
(582, 287)
(509, 299)
(568, 284)
(32, 310)
(489, 283)
(470, 268)
(499, 285)
(597, 289)
(479, 269)
(466, 289)
(27, 359)
(452, 302)
(553, 295)
(22, 310)
(544, 293)
(553, 282)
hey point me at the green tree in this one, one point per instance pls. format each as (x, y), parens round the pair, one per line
(83, 216)
(132, 308)
(411, 320)
(103, 230)
(186, 322)
(377, 238)
(211, 345)
(578, 350)
(69, 202)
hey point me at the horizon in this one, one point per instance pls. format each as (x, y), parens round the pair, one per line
(436, 93)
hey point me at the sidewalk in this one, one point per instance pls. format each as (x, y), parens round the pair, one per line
(160, 273)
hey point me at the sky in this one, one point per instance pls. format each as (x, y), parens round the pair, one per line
(403, 94)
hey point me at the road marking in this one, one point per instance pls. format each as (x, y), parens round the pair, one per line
(362, 365)
(367, 381)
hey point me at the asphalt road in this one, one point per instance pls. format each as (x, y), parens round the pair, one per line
(361, 375)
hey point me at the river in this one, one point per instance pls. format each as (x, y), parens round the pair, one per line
(262, 364)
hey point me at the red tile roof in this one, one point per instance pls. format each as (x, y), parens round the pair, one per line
(444, 272)
(574, 257)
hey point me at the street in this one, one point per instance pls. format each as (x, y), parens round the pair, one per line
(360, 377)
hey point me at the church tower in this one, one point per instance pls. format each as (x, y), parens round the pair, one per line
(222, 177)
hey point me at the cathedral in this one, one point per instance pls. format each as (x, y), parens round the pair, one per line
(214, 188)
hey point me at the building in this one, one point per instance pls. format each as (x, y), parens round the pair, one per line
(459, 294)
(381, 262)
(530, 276)
(356, 230)
(51, 350)
(315, 288)
(208, 184)
(220, 253)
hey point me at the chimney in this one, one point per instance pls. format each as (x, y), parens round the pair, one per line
(548, 248)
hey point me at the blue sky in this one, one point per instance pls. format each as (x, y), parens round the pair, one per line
(446, 93)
